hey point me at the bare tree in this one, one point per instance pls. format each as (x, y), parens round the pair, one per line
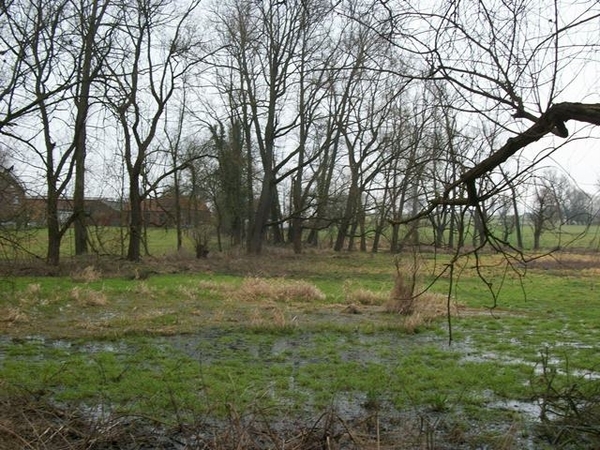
(511, 63)
(155, 54)
(365, 96)
(19, 23)
(273, 87)
(38, 30)
(577, 206)
(546, 208)
(90, 43)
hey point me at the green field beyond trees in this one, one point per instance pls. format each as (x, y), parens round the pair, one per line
(160, 242)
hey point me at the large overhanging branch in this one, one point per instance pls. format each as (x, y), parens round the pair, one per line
(552, 121)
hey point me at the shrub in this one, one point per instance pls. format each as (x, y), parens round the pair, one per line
(402, 298)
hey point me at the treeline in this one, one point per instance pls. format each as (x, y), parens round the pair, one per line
(291, 117)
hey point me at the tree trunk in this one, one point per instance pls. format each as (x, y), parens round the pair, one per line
(297, 234)
(80, 226)
(395, 240)
(53, 224)
(135, 220)
(452, 227)
(517, 220)
(278, 235)
(537, 234)
(348, 216)
(178, 212)
(261, 217)
(363, 228)
(341, 234)
(479, 234)
(352, 236)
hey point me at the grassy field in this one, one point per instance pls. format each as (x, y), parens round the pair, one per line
(306, 351)
(162, 241)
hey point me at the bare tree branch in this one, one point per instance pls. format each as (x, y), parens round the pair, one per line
(552, 121)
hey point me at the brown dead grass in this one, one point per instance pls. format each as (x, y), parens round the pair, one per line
(30, 423)
(214, 287)
(356, 295)
(88, 297)
(14, 315)
(424, 309)
(143, 289)
(279, 289)
(33, 290)
(86, 275)
(401, 298)
(269, 316)
(563, 261)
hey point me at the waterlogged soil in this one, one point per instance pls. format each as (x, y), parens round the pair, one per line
(352, 419)
(307, 406)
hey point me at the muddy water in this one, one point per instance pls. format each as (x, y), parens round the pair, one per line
(299, 349)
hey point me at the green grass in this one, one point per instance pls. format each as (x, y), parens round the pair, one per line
(178, 346)
(162, 241)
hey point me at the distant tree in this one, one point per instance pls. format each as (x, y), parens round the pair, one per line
(230, 189)
(577, 207)
(90, 43)
(546, 209)
(509, 63)
(38, 30)
(154, 55)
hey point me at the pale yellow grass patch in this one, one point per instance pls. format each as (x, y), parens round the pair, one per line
(279, 289)
(214, 287)
(268, 316)
(32, 294)
(14, 315)
(364, 296)
(142, 288)
(592, 272)
(86, 275)
(425, 309)
(187, 292)
(431, 306)
(33, 290)
(93, 325)
(88, 297)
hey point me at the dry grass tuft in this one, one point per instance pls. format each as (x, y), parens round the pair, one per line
(187, 292)
(33, 290)
(279, 289)
(270, 316)
(88, 297)
(418, 309)
(32, 295)
(363, 296)
(401, 299)
(14, 315)
(214, 287)
(426, 308)
(413, 323)
(432, 305)
(86, 275)
(142, 288)
(429, 305)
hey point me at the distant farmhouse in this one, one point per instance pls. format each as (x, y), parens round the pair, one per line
(18, 209)
(157, 212)
(12, 198)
